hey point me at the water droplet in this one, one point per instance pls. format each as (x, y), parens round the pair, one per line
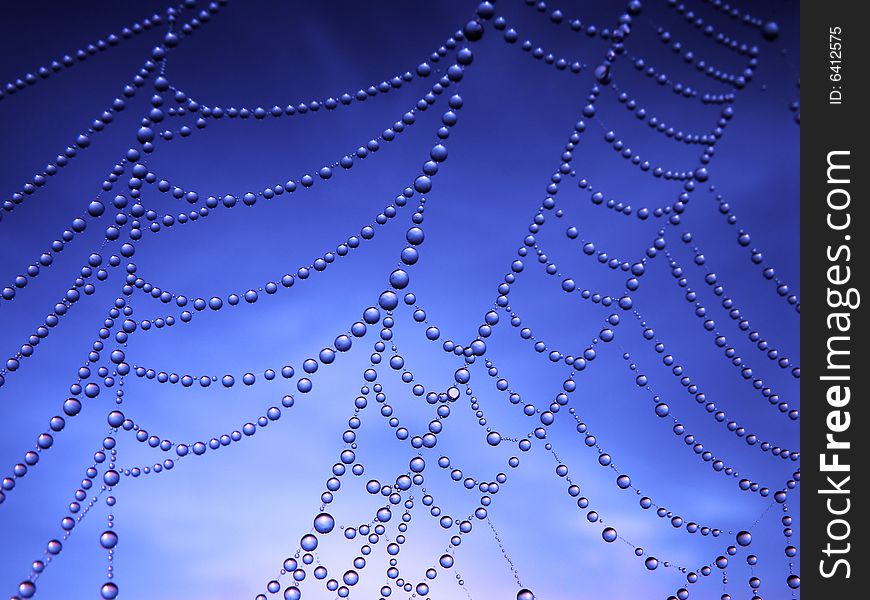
(109, 539)
(324, 523)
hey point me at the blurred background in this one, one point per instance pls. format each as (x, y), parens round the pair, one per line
(219, 526)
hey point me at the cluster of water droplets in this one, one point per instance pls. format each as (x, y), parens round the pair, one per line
(119, 205)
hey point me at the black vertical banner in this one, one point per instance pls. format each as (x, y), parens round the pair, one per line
(835, 62)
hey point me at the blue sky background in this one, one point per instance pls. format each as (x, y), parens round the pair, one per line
(219, 526)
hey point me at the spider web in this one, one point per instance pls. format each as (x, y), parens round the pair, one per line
(337, 556)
